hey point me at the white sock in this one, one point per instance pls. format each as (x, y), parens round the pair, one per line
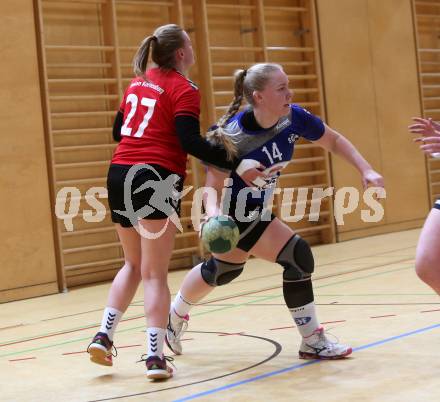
(305, 319)
(155, 340)
(110, 321)
(180, 306)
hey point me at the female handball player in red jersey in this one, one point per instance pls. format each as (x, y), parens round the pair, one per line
(157, 126)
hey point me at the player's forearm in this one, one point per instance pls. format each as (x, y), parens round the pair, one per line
(117, 125)
(213, 192)
(346, 150)
(188, 131)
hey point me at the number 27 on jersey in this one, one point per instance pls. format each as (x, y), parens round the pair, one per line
(134, 100)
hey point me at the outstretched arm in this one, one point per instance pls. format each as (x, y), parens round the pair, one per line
(188, 131)
(337, 144)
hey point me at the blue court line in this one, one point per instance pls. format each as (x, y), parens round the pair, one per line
(299, 366)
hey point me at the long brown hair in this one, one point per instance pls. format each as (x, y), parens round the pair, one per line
(164, 42)
(245, 83)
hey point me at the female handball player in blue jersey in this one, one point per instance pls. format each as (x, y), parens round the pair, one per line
(265, 134)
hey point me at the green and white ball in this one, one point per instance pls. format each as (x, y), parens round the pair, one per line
(220, 234)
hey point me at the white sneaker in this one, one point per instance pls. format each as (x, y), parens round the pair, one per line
(175, 329)
(318, 346)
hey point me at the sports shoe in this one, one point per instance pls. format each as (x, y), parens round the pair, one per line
(101, 350)
(318, 346)
(157, 368)
(175, 329)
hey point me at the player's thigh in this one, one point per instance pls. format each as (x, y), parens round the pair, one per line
(157, 244)
(272, 241)
(131, 244)
(235, 256)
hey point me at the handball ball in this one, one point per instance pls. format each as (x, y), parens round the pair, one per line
(220, 234)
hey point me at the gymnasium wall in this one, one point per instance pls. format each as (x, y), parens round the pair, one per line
(27, 252)
(369, 60)
(427, 24)
(86, 49)
(352, 62)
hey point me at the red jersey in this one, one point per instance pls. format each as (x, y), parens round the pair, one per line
(148, 134)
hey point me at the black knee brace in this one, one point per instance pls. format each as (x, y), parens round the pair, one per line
(216, 272)
(297, 259)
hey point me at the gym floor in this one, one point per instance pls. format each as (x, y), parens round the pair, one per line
(241, 343)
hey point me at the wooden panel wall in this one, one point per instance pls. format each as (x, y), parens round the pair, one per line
(427, 16)
(82, 96)
(368, 59)
(27, 251)
(87, 66)
(371, 85)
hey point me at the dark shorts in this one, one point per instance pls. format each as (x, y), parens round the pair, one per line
(250, 230)
(158, 199)
(437, 204)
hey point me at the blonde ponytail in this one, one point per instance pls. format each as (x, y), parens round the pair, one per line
(140, 60)
(163, 44)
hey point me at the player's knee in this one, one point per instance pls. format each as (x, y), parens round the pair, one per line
(297, 259)
(216, 272)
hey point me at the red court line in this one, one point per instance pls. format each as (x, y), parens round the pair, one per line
(381, 316)
(25, 358)
(73, 353)
(187, 339)
(428, 311)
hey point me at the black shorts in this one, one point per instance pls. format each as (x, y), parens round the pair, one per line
(158, 199)
(437, 204)
(251, 230)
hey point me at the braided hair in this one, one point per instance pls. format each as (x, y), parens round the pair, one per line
(245, 84)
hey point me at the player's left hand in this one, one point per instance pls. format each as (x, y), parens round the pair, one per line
(370, 178)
